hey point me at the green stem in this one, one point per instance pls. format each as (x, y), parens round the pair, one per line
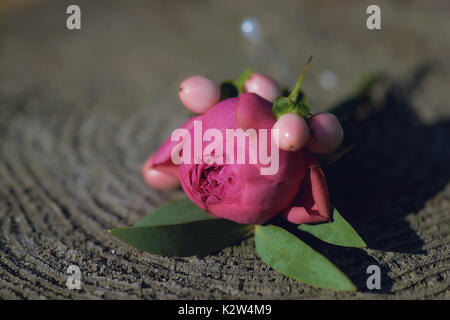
(242, 78)
(293, 96)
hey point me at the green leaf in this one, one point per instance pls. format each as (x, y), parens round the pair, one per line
(338, 232)
(180, 228)
(302, 107)
(177, 211)
(292, 257)
(232, 88)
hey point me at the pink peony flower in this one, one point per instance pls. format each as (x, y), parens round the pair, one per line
(239, 192)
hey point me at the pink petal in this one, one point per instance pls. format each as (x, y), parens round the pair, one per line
(312, 203)
(239, 213)
(253, 111)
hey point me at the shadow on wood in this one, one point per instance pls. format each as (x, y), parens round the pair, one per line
(399, 165)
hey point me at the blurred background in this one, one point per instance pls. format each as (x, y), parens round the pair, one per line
(80, 110)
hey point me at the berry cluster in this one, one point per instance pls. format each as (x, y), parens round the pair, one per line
(320, 133)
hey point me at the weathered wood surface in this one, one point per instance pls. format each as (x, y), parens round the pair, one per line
(81, 110)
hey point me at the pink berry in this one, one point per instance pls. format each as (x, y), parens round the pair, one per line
(293, 132)
(199, 94)
(158, 179)
(326, 133)
(262, 85)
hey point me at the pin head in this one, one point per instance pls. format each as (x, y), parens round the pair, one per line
(328, 79)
